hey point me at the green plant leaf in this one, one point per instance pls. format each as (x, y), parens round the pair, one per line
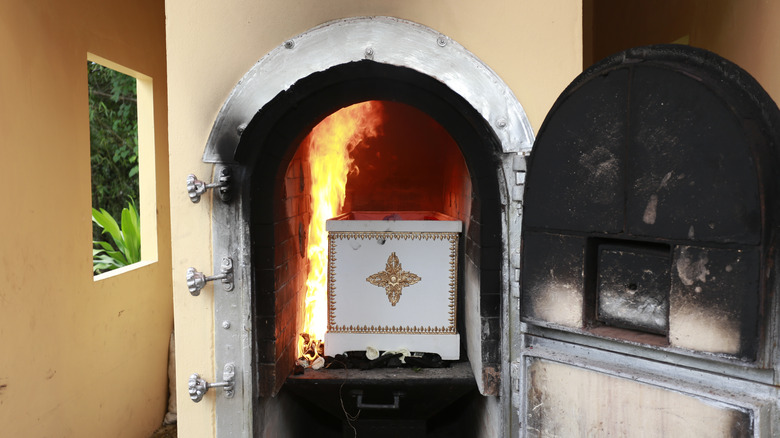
(103, 244)
(113, 129)
(117, 257)
(131, 234)
(102, 263)
(109, 225)
(126, 237)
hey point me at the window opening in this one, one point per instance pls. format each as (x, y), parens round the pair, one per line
(119, 109)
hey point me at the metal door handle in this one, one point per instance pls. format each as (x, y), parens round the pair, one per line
(395, 405)
(196, 187)
(198, 386)
(196, 280)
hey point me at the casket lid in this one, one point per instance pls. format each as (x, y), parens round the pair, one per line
(423, 221)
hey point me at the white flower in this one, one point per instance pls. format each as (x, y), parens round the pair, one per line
(371, 353)
(318, 363)
(402, 351)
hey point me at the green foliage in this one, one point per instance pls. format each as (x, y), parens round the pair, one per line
(113, 134)
(127, 240)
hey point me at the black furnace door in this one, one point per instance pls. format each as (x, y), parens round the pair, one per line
(649, 227)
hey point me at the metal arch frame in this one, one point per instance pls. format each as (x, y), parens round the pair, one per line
(384, 40)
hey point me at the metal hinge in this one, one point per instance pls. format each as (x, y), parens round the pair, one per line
(519, 168)
(515, 378)
(198, 387)
(196, 187)
(514, 260)
(196, 280)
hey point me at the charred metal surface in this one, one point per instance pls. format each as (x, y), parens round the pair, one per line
(553, 279)
(710, 309)
(633, 287)
(491, 380)
(579, 186)
(691, 173)
(663, 160)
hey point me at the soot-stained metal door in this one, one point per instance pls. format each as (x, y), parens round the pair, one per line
(649, 234)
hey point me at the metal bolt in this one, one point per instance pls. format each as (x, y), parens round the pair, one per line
(369, 53)
(441, 41)
(501, 123)
(240, 129)
(225, 325)
(289, 44)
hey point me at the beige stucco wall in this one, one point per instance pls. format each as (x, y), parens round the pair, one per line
(535, 47)
(86, 358)
(78, 357)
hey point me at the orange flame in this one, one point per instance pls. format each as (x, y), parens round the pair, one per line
(330, 144)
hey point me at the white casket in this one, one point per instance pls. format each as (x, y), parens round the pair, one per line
(392, 283)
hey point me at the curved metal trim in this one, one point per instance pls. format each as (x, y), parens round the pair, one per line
(382, 39)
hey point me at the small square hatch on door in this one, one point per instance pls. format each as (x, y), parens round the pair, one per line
(633, 287)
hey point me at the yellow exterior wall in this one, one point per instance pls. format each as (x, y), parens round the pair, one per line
(78, 357)
(534, 46)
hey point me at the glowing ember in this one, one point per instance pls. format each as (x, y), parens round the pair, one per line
(329, 146)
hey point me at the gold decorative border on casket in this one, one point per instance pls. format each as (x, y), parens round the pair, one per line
(389, 235)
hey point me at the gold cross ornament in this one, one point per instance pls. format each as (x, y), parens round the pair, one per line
(393, 279)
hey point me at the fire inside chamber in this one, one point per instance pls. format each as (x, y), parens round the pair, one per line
(370, 156)
(329, 148)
